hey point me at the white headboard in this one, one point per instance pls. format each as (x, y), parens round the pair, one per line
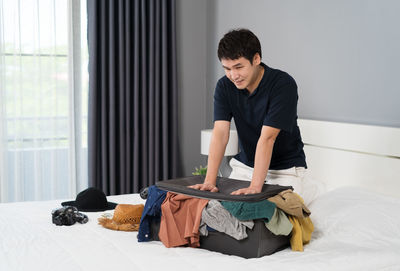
(343, 154)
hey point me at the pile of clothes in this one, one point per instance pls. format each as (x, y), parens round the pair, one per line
(183, 219)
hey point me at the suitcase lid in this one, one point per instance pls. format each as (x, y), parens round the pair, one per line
(225, 187)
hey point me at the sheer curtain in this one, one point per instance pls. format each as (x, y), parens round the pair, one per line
(43, 99)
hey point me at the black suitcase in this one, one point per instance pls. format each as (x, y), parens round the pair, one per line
(260, 240)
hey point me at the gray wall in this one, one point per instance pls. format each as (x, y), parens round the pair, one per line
(192, 77)
(344, 55)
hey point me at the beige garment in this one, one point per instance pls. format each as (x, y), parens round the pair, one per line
(180, 220)
(286, 177)
(290, 203)
(279, 224)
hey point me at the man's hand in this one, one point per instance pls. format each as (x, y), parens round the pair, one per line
(219, 139)
(262, 160)
(246, 191)
(205, 187)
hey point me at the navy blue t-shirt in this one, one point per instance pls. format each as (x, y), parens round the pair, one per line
(273, 103)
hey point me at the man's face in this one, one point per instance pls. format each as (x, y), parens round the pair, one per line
(241, 72)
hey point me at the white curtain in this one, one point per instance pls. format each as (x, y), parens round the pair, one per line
(43, 99)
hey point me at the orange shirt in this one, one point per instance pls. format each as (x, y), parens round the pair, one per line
(180, 220)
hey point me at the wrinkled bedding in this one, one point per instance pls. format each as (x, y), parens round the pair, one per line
(354, 230)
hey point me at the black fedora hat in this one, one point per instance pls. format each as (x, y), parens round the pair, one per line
(91, 200)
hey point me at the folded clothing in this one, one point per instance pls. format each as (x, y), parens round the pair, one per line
(279, 224)
(217, 217)
(291, 203)
(151, 213)
(250, 210)
(301, 233)
(180, 220)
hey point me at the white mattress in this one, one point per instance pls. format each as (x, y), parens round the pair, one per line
(354, 230)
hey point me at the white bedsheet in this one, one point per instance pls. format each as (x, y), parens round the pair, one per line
(354, 230)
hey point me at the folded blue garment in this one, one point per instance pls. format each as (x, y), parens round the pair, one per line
(151, 213)
(210, 229)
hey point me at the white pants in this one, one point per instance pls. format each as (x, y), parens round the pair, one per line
(294, 177)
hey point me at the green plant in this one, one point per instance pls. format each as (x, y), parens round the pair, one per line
(200, 171)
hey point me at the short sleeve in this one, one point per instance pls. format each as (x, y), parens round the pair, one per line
(282, 109)
(222, 109)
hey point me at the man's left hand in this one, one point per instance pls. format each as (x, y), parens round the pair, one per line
(246, 191)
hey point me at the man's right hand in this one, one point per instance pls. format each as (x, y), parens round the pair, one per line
(205, 187)
(219, 139)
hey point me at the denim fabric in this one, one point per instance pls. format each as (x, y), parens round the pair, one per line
(210, 229)
(151, 212)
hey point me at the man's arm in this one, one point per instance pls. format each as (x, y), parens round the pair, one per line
(262, 160)
(219, 140)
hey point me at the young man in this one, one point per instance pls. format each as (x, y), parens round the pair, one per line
(263, 103)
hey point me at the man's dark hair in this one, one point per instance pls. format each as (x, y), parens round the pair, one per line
(239, 43)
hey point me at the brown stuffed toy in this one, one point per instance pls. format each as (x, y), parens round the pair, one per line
(126, 218)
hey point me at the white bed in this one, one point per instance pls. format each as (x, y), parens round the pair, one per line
(356, 228)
